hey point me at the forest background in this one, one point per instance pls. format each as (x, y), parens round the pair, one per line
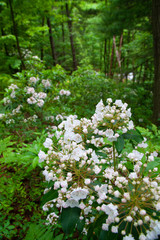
(95, 49)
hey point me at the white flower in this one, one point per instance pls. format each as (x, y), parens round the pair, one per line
(42, 95)
(42, 156)
(135, 155)
(13, 87)
(114, 229)
(142, 145)
(94, 157)
(71, 203)
(46, 83)
(110, 210)
(157, 206)
(48, 143)
(30, 90)
(96, 169)
(142, 237)
(79, 193)
(87, 181)
(119, 103)
(64, 92)
(40, 102)
(31, 100)
(13, 94)
(130, 125)
(129, 219)
(109, 133)
(33, 80)
(105, 226)
(2, 115)
(129, 237)
(133, 175)
(109, 100)
(78, 153)
(117, 193)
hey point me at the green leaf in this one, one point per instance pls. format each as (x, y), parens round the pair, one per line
(69, 219)
(59, 237)
(35, 162)
(52, 194)
(80, 225)
(133, 135)
(152, 165)
(119, 144)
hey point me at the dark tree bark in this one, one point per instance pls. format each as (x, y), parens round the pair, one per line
(63, 32)
(16, 34)
(108, 56)
(111, 61)
(156, 44)
(52, 42)
(105, 54)
(71, 37)
(42, 50)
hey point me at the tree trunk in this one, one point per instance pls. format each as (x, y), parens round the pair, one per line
(156, 44)
(116, 51)
(42, 51)
(52, 42)
(71, 38)
(105, 53)
(111, 61)
(108, 56)
(63, 32)
(120, 45)
(16, 34)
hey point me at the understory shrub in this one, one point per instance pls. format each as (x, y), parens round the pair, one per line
(107, 184)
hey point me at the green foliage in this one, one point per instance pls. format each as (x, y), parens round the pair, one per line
(52, 194)
(39, 232)
(69, 218)
(21, 188)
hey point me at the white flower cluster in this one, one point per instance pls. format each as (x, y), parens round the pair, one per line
(46, 83)
(64, 92)
(135, 202)
(25, 96)
(31, 119)
(2, 115)
(17, 110)
(36, 98)
(33, 80)
(6, 101)
(84, 179)
(49, 118)
(13, 87)
(112, 119)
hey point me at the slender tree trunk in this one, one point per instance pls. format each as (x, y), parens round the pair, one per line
(105, 53)
(71, 38)
(63, 32)
(52, 42)
(120, 45)
(156, 44)
(116, 51)
(16, 34)
(108, 56)
(101, 56)
(42, 50)
(111, 61)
